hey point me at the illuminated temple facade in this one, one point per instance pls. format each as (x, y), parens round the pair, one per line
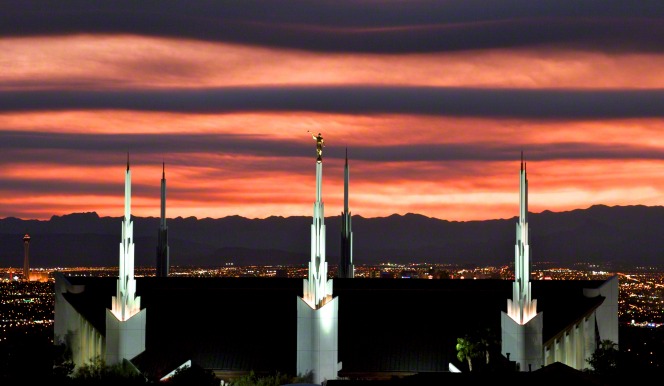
(122, 335)
(522, 326)
(309, 327)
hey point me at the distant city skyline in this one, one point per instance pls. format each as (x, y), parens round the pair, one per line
(433, 102)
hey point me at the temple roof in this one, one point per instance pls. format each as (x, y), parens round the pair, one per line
(385, 325)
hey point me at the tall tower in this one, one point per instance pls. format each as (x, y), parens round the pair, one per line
(317, 310)
(346, 268)
(26, 257)
(125, 321)
(163, 262)
(521, 324)
(317, 293)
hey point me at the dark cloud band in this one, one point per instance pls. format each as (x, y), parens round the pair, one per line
(549, 104)
(75, 148)
(357, 26)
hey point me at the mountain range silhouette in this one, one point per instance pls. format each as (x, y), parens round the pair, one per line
(622, 236)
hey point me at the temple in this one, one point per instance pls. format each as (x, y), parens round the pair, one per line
(525, 340)
(381, 329)
(122, 336)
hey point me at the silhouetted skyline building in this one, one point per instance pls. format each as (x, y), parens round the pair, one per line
(26, 257)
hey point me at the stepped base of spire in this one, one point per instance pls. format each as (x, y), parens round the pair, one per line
(132, 307)
(521, 315)
(315, 296)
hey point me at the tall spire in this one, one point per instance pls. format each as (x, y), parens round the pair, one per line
(346, 175)
(163, 195)
(127, 205)
(522, 307)
(163, 263)
(317, 309)
(316, 287)
(523, 199)
(346, 268)
(125, 303)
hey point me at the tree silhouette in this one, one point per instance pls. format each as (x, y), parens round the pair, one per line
(604, 361)
(488, 342)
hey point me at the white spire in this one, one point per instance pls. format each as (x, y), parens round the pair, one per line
(125, 304)
(521, 308)
(316, 289)
(127, 206)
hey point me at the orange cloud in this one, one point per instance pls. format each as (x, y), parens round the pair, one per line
(554, 185)
(217, 184)
(446, 167)
(126, 61)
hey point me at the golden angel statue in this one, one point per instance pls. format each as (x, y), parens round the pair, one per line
(320, 143)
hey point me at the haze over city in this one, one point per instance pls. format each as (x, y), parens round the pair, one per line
(434, 102)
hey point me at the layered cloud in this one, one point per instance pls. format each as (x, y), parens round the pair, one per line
(357, 26)
(432, 101)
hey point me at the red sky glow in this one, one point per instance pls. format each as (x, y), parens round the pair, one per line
(434, 127)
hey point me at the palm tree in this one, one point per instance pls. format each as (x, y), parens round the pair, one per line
(467, 350)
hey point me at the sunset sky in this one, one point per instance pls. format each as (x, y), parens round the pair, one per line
(433, 100)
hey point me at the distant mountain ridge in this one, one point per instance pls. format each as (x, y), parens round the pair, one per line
(622, 235)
